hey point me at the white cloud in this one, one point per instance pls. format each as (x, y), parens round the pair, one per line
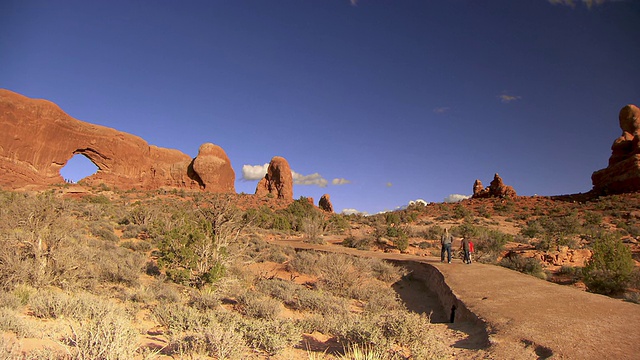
(418, 202)
(508, 98)
(313, 179)
(440, 110)
(257, 172)
(340, 181)
(254, 172)
(456, 198)
(354, 211)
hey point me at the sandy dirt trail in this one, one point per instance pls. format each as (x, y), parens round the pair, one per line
(524, 317)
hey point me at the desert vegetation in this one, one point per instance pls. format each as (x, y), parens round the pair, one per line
(100, 277)
(109, 274)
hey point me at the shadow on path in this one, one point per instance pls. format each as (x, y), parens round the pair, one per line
(418, 298)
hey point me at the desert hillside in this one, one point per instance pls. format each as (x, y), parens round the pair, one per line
(95, 272)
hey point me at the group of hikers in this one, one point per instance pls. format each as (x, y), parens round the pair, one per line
(447, 240)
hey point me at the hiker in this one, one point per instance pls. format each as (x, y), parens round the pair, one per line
(465, 246)
(445, 241)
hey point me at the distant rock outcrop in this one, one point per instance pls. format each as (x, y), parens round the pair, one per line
(278, 180)
(623, 173)
(325, 203)
(38, 138)
(497, 188)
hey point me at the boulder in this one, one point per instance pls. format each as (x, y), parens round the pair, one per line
(278, 181)
(497, 188)
(213, 168)
(38, 138)
(623, 173)
(325, 203)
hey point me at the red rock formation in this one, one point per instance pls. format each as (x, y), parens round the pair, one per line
(278, 180)
(214, 168)
(478, 188)
(497, 188)
(38, 138)
(623, 173)
(325, 203)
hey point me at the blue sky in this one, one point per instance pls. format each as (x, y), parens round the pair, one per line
(376, 103)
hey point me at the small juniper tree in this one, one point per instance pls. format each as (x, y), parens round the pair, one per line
(610, 268)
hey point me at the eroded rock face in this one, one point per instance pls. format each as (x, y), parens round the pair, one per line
(213, 167)
(623, 173)
(278, 180)
(325, 203)
(497, 188)
(38, 138)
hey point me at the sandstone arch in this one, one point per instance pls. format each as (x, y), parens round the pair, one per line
(38, 139)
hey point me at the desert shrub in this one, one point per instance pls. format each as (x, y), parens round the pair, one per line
(279, 289)
(488, 243)
(272, 336)
(402, 241)
(178, 318)
(139, 246)
(392, 218)
(381, 299)
(131, 231)
(253, 305)
(433, 232)
(104, 231)
(524, 265)
(165, 292)
(215, 341)
(504, 207)
(48, 304)
(109, 337)
(297, 211)
(337, 224)
(384, 270)
(363, 352)
(38, 241)
(360, 330)
(9, 300)
(196, 246)
(281, 223)
(119, 265)
(338, 274)
(630, 227)
(205, 298)
(592, 218)
(312, 226)
(304, 262)
(364, 243)
(461, 212)
(319, 302)
(11, 322)
(610, 268)
(23, 292)
(100, 329)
